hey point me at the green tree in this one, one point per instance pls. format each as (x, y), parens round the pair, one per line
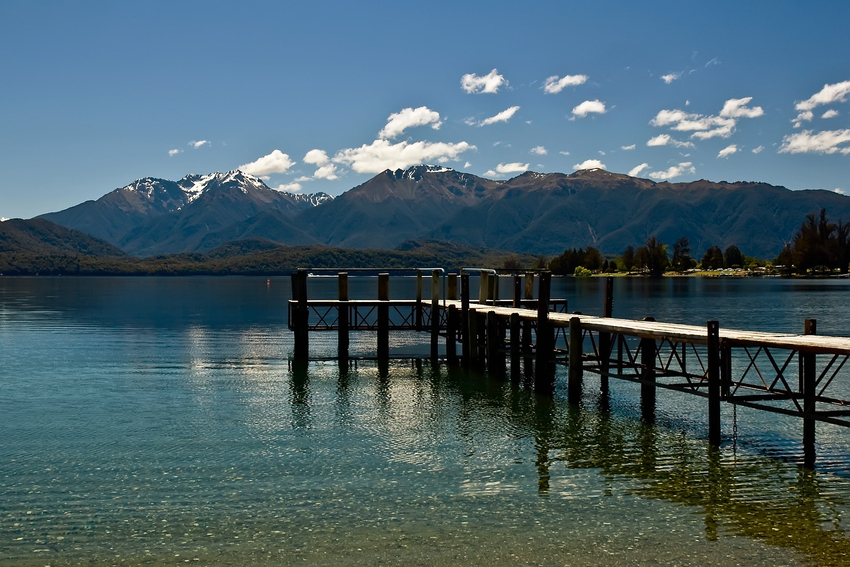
(629, 259)
(681, 255)
(733, 258)
(652, 256)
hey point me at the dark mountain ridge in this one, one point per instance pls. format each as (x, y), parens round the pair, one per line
(531, 213)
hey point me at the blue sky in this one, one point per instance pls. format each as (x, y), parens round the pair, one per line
(321, 96)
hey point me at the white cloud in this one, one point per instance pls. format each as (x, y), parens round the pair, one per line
(199, 143)
(827, 95)
(503, 116)
(514, 167)
(538, 150)
(667, 140)
(316, 157)
(727, 151)
(589, 164)
(555, 85)
(674, 171)
(840, 191)
(173, 152)
(564, 153)
(737, 108)
(275, 162)
(708, 126)
(635, 171)
(758, 150)
(825, 142)
(327, 171)
(627, 147)
(467, 165)
(302, 179)
(830, 114)
(805, 116)
(408, 118)
(488, 83)
(589, 106)
(288, 187)
(670, 78)
(381, 155)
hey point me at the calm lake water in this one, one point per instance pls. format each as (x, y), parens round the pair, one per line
(157, 421)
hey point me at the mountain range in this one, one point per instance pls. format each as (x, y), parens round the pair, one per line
(532, 213)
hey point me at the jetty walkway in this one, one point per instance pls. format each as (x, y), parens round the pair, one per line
(786, 373)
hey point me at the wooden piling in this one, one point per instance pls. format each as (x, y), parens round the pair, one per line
(435, 314)
(574, 385)
(647, 386)
(545, 343)
(492, 341)
(342, 317)
(605, 339)
(383, 316)
(808, 383)
(451, 335)
(464, 320)
(300, 315)
(515, 334)
(418, 315)
(493, 288)
(714, 386)
(470, 345)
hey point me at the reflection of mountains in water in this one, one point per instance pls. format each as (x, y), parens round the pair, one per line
(767, 499)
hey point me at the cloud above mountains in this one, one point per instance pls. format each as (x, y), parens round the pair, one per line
(704, 127)
(554, 84)
(275, 162)
(486, 84)
(408, 118)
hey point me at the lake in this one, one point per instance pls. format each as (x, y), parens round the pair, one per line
(158, 421)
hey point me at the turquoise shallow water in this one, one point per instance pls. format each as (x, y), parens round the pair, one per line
(159, 422)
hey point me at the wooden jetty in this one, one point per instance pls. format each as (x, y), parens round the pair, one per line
(791, 374)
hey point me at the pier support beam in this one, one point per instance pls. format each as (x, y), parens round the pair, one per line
(647, 386)
(418, 316)
(435, 314)
(714, 386)
(808, 385)
(451, 335)
(545, 341)
(605, 341)
(576, 370)
(342, 318)
(300, 316)
(465, 320)
(383, 316)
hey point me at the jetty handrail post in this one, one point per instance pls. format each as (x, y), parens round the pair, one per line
(647, 387)
(493, 288)
(714, 386)
(435, 314)
(342, 316)
(301, 315)
(464, 319)
(383, 316)
(575, 377)
(605, 339)
(451, 291)
(483, 286)
(517, 303)
(418, 316)
(808, 385)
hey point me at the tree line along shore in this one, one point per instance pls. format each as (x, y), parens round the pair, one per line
(819, 248)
